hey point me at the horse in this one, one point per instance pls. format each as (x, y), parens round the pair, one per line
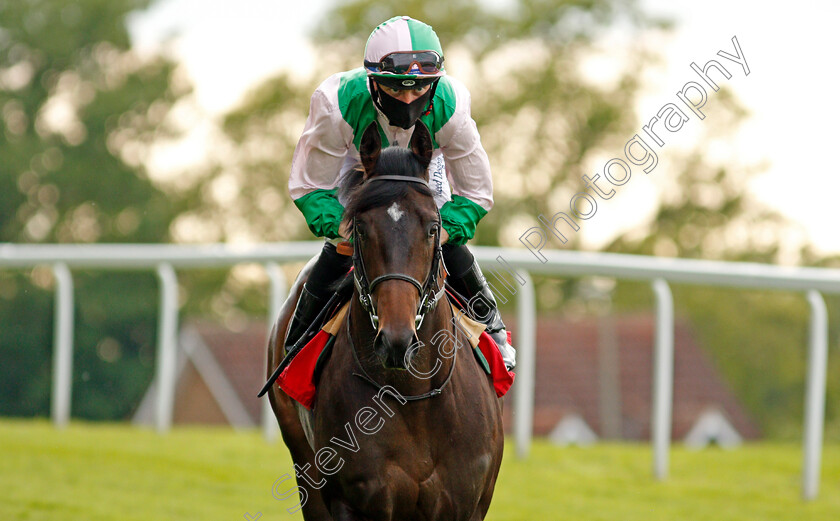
(405, 424)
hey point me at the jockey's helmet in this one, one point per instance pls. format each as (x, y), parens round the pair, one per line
(403, 53)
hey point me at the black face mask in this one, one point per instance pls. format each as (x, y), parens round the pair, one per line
(399, 114)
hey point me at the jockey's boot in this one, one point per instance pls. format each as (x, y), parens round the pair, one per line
(482, 305)
(315, 294)
(307, 309)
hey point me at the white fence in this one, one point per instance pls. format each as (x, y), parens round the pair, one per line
(658, 271)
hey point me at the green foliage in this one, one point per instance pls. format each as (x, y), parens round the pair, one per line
(541, 119)
(114, 342)
(79, 112)
(521, 66)
(544, 123)
(25, 347)
(706, 210)
(759, 342)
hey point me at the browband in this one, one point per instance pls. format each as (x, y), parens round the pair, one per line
(397, 178)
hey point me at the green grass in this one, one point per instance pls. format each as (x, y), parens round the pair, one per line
(117, 472)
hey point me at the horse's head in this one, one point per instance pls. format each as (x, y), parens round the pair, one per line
(396, 230)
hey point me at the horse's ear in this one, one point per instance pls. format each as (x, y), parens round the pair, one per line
(370, 148)
(421, 144)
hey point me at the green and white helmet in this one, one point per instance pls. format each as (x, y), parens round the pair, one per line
(404, 53)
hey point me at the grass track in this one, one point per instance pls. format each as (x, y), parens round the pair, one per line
(97, 472)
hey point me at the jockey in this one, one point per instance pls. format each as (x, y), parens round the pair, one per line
(403, 80)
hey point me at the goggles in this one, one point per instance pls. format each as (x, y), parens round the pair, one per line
(408, 62)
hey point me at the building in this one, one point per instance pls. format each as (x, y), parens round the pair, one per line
(593, 381)
(598, 373)
(219, 373)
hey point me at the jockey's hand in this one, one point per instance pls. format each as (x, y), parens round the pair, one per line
(344, 230)
(444, 235)
(344, 248)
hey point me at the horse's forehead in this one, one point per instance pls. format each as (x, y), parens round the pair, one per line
(395, 212)
(407, 209)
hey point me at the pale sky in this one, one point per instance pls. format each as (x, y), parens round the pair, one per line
(228, 47)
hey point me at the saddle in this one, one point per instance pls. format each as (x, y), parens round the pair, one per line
(299, 378)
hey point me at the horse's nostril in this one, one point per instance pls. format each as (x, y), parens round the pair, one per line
(391, 347)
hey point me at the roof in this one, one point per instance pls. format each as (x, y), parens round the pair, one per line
(568, 381)
(241, 354)
(219, 373)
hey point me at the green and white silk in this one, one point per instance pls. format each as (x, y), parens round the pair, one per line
(341, 109)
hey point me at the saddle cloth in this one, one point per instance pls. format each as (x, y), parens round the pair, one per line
(299, 378)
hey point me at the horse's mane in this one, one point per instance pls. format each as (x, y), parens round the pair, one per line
(361, 196)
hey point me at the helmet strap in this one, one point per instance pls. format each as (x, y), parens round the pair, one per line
(431, 99)
(375, 93)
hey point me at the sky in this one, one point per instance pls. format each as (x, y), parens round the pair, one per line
(789, 92)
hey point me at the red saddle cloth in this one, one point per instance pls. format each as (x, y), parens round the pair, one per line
(298, 378)
(502, 378)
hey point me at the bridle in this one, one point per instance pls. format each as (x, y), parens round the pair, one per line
(430, 291)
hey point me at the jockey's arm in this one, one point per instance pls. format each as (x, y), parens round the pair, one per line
(315, 167)
(468, 170)
(327, 139)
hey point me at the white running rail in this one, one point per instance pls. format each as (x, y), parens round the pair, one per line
(166, 258)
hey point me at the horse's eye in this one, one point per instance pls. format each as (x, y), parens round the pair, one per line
(433, 229)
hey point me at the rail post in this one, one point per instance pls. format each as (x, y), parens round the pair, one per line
(62, 389)
(167, 355)
(814, 396)
(277, 295)
(663, 378)
(525, 370)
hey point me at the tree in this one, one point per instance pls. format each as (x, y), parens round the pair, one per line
(543, 122)
(79, 111)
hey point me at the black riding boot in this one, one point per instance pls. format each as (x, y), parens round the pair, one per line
(308, 307)
(329, 267)
(466, 278)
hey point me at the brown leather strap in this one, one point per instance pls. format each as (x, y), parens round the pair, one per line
(344, 248)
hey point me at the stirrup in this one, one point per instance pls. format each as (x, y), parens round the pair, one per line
(502, 339)
(474, 284)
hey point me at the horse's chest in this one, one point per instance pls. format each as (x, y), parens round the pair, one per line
(388, 460)
(394, 491)
(431, 470)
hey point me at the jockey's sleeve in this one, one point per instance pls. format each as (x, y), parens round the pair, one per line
(468, 171)
(316, 165)
(322, 212)
(459, 218)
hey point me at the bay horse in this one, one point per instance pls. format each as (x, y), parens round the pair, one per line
(405, 425)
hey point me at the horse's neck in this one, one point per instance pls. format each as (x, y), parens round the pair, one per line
(436, 349)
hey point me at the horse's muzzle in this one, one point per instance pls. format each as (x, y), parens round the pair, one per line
(392, 347)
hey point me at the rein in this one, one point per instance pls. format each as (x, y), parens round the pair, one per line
(367, 378)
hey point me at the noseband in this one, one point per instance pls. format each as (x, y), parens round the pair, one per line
(429, 291)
